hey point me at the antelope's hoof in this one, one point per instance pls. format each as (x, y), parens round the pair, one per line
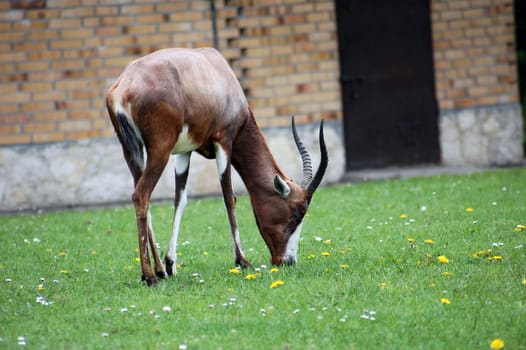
(169, 266)
(161, 274)
(150, 280)
(243, 263)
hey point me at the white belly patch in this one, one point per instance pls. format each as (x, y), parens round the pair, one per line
(184, 143)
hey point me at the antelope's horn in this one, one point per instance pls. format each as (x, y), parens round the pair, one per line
(313, 185)
(305, 157)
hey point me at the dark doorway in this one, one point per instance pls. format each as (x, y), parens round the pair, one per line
(520, 42)
(387, 81)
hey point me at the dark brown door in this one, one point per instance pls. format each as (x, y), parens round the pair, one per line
(387, 82)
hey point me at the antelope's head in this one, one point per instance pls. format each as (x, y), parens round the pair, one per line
(282, 224)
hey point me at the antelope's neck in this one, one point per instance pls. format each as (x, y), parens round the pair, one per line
(253, 161)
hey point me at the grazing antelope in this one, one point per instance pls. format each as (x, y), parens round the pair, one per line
(176, 101)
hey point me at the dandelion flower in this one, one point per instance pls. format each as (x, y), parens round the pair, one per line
(274, 269)
(234, 270)
(496, 344)
(469, 210)
(250, 276)
(65, 272)
(62, 254)
(447, 273)
(276, 284)
(325, 253)
(445, 301)
(344, 266)
(403, 216)
(519, 228)
(429, 241)
(443, 260)
(137, 259)
(410, 240)
(383, 284)
(524, 281)
(40, 287)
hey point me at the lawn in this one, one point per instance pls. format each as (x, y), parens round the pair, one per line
(428, 263)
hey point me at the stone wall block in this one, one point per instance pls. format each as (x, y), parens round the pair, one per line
(93, 172)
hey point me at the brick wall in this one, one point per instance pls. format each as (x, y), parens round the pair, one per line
(286, 58)
(474, 52)
(57, 58)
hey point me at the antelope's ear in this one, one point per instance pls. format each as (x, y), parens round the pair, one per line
(281, 187)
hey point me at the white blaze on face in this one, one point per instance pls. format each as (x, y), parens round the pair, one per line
(291, 253)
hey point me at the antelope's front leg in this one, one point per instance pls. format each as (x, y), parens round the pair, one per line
(224, 170)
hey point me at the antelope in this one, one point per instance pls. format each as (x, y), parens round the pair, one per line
(176, 101)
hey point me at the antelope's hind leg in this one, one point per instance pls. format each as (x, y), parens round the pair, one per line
(158, 265)
(182, 166)
(141, 200)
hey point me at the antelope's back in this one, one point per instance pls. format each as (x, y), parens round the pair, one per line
(196, 84)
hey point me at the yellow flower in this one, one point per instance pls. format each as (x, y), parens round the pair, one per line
(429, 241)
(496, 344)
(65, 272)
(274, 269)
(410, 240)
(325, 253)
(250, 276)
(62, 254)
(403, 216)
(469, 210)
(137, 259)
(40, 287)
(327, 241)
(382, 284)
(344, 266)
(235, 270)
(311, 256)
(524, 281)
(443, 260)
(205, 253)
(519, 228)
(445, 301)
(276, 284)
(447, 273)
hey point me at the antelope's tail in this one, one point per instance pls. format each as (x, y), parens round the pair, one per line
(129, 136)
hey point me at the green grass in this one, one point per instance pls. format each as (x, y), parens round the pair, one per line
(359, 259)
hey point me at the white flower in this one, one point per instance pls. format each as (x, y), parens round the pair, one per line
(167, 308)
(21, 340)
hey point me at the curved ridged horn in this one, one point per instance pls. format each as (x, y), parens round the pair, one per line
(313, 185)
(305, 157)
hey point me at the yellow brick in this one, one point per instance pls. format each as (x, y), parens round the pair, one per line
(48, 137)
(36, 86)
(15, 139)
